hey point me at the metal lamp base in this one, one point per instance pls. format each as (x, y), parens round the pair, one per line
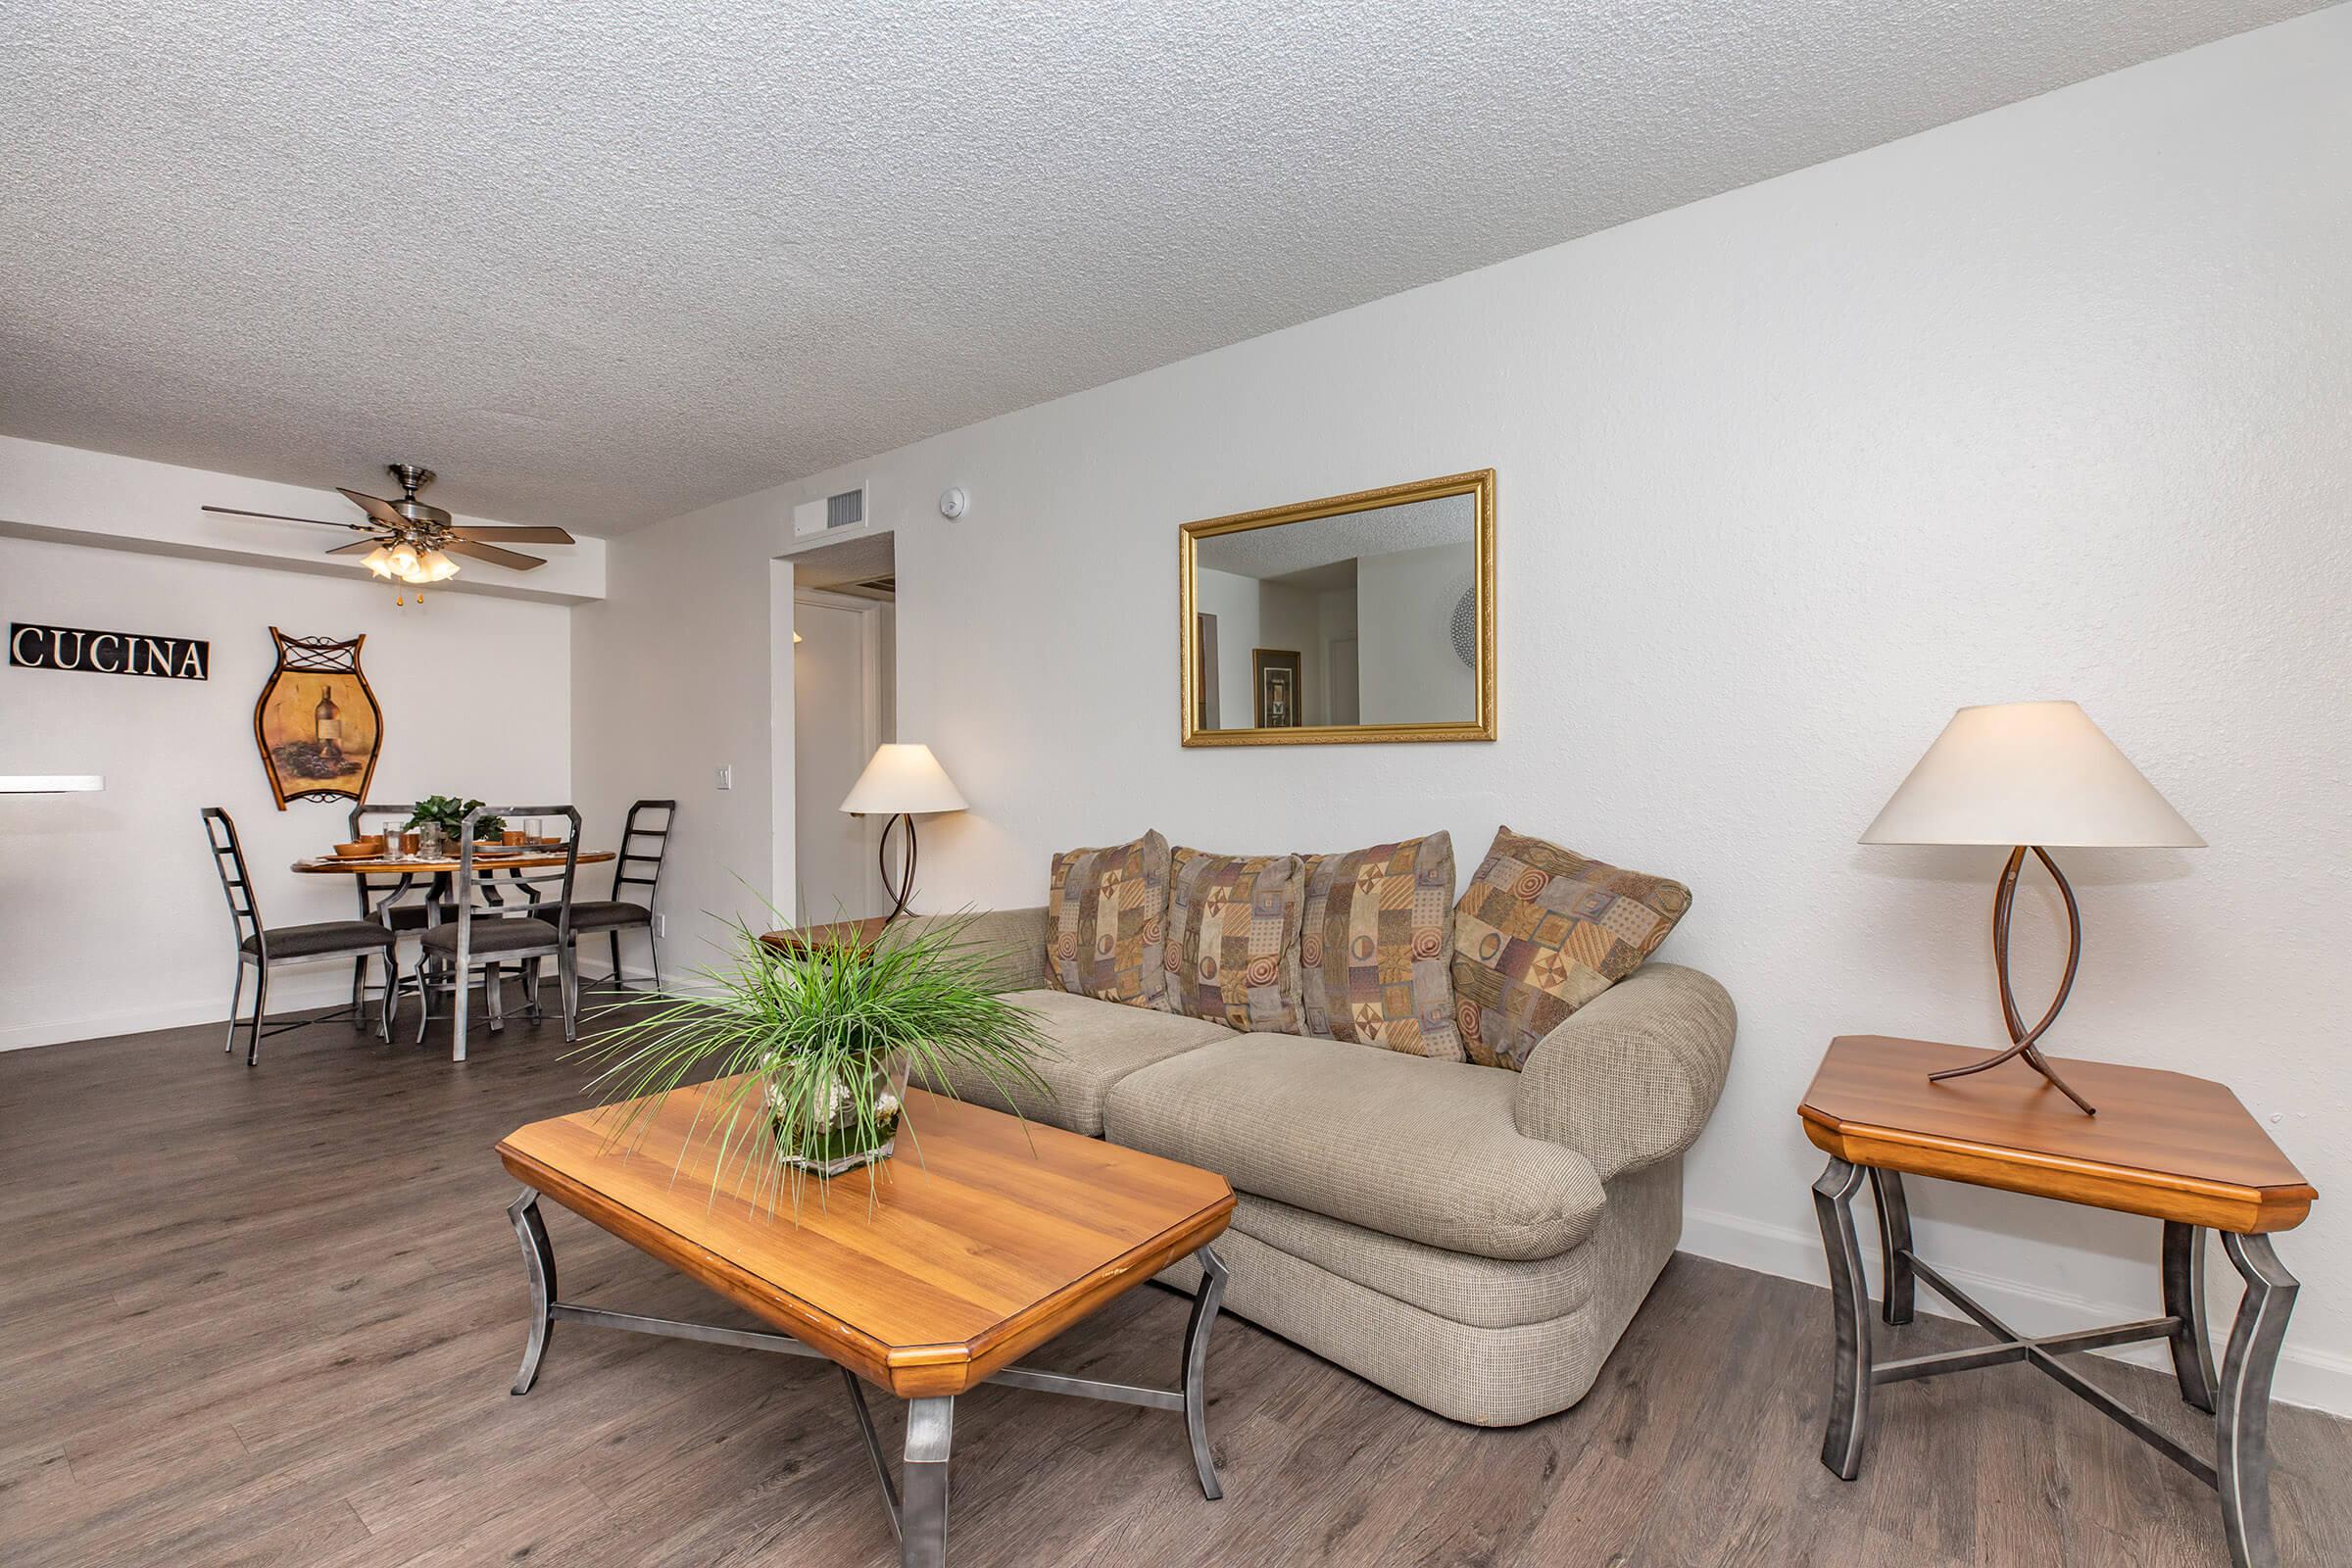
(2022, 1039)
(905, 889)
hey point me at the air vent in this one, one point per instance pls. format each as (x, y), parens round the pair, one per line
(831, 514)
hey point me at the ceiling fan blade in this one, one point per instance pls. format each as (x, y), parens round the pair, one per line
(380, 511)
(279, 516)
(519, 536)
(492, 554)
(365, 547)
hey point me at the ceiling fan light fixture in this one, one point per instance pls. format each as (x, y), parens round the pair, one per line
(378, 561)
(402, 561)
(436, 566)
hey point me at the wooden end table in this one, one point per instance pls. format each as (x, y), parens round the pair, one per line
(955, 1261)
(2174, 1148)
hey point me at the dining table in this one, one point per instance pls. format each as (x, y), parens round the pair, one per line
(442, 871)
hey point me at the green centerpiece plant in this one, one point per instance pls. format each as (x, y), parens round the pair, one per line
(448, 813)
(811, 1045)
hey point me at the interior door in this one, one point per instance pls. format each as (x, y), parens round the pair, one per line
(835, 724)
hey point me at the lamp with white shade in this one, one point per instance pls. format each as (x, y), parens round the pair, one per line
(2032, 776)
(902, 780)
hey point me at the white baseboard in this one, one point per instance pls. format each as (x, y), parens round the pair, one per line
(288, 994)
(2314, 1379)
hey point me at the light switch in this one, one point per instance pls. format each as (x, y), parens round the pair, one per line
(726, 776)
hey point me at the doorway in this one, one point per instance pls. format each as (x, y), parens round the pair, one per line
(844, 684)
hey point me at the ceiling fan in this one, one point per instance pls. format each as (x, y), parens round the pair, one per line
(411, 540)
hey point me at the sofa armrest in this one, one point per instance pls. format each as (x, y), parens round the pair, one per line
(1632, 1076)
(1014, 940)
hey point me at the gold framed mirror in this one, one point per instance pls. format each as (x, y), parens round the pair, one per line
(1359, 617)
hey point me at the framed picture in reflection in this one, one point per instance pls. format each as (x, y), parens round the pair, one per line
(1276, 674)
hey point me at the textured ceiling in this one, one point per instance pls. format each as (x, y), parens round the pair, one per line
(604, 261)
(1295, 547)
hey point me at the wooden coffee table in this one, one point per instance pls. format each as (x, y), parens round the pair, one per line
(2165, 1145)
(937, 1276)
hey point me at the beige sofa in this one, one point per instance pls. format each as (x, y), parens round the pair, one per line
(1472, 1239)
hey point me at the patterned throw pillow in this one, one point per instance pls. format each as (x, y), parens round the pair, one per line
(1233, 939)
(1542, 931)
(1106, 922)
(1377, 945)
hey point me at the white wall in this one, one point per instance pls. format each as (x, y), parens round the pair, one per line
(1236, 602)
(1286, 619)
(2047, 403)
(1409, 671)
(111, 918)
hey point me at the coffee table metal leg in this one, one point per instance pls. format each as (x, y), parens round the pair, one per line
(1896, 1290)
(874, 1446)
(2242, 1423)
(1195, 1368)
(2185, 1299)
(539, 1261)
(1850, 1392)
(923, 1483)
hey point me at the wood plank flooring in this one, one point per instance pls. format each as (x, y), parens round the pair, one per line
(268, 1317)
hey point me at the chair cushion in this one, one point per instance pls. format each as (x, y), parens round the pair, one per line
(327, 935)
(1540, 932)
(1106, 922)
(1096, 1044)
(1377, 949)
(603, 914)
(494, 936)
(1422, 1149)
(1233, 939)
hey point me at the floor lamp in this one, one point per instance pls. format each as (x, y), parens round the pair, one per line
(902, 780)
(2028, 776)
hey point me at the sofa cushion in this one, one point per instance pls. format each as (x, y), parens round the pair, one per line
(1233, 939)
(1106, 915)
(1460, 1368)
(1095, 1043)
(1376, 951)
(1540, 932)
(1400, 1144)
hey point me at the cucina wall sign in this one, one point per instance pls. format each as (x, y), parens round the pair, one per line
(109, 653)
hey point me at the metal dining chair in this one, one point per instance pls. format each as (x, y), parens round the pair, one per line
(388, 898)
(384, 898)
(639, 865)
(487, 932)
(260, 945)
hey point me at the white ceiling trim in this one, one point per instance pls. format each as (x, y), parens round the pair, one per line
(99, 499)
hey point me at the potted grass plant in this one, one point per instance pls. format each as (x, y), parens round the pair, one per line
(810, 1045)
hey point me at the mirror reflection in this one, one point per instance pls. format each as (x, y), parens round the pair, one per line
(1366, 619)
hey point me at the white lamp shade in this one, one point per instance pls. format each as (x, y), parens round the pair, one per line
(2042, 773)
(903, 776)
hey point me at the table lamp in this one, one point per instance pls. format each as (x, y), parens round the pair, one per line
(2029, 775)
(903, 779)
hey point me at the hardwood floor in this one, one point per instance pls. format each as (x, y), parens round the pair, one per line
(270, 1316)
